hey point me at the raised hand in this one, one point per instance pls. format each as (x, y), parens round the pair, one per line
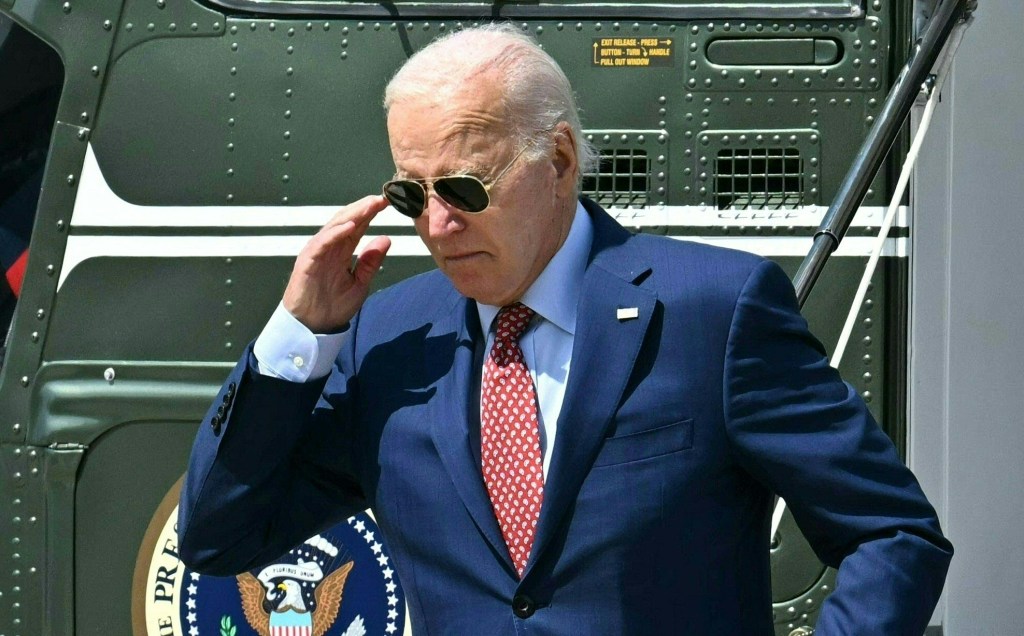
(325, 289)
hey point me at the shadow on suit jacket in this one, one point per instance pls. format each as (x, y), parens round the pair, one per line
(676, 429)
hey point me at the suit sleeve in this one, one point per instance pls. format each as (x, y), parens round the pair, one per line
(270, 467)
(799, 429)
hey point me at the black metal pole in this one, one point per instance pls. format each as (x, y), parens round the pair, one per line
(895, 111)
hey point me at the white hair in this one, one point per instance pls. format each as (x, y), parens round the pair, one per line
(536, 93)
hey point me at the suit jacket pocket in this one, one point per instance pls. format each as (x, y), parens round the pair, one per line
(646, 444)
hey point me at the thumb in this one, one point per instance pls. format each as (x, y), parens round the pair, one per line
(370, 260)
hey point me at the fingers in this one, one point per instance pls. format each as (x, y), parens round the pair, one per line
(349, 224)
(360, 212)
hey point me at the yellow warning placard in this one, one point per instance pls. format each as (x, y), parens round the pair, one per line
(632, 52)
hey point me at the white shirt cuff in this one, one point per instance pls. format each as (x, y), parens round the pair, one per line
(288, 350)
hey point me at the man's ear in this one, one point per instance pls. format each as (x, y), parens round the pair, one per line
(564, 160)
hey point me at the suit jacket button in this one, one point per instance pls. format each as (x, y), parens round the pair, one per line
(523, 606)
(221, 410)
(215, 422)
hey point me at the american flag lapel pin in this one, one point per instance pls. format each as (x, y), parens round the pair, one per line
(627, 313)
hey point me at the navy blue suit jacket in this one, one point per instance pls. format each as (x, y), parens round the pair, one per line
(676, 428)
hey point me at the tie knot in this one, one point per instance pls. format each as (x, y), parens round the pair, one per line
(512, 322)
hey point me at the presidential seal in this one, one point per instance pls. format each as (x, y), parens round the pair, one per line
(337, 583)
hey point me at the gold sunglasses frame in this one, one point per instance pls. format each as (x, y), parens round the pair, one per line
(427, 184)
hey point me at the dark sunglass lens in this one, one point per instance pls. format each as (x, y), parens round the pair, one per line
(465, 193)
(407, 197)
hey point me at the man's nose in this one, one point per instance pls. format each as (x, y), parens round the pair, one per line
(443, 218)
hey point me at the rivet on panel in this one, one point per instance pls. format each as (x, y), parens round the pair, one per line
(287, 134)
(286, 156)
(40, 313)
(172, 27)
(284, 199)
(344, 55)
(231, 172)
(597, 26)
(231, 97)
(16, 428)
(289, 50)
(107, 25)
(288, 92)
(234, 46)
(70, 179)
(327, 26)
(95, 70)
(34, 337)
(66, 7)
(285, 178)
(234, 70)
(230, 198)
(151, 27)
(289, 71)
(227, 345)
(84, 117)
(291, 32)
(272, 26)
(362, 25)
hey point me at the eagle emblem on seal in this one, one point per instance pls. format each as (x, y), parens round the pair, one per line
(294, 597)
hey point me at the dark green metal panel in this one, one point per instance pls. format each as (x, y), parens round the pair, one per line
(188, 309)
(124, 476)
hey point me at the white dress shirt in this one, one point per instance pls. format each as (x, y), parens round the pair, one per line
(288, 350)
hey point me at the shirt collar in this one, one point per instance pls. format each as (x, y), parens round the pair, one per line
(556, 292)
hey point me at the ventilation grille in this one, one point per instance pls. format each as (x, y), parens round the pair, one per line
(759, 179)
(622, 179)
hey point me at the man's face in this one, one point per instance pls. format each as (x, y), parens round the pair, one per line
(495, 255)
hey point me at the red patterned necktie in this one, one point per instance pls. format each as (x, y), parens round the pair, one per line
(509, 438)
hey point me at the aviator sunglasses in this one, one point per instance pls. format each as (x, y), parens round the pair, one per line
(464, 191)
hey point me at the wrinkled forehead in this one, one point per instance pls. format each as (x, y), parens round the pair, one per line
(468, 122)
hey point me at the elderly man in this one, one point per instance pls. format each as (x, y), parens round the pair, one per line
(566, 429)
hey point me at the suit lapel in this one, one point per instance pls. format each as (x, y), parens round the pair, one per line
(605, 349)
(456, 417)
